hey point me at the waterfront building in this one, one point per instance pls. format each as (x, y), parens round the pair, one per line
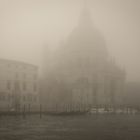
(132, 94)
(18, 86)
(83, 74)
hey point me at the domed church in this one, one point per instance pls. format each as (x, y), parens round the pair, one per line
(83, 74)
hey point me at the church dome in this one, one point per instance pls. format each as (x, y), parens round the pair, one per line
(84, 46)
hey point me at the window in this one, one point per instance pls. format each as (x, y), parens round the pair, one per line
(24, 86)
(35, 87)
(17, 85)
(3, 98)
(8, 85)
(24, 98)
(9, 97)
(24, 75)
(17, 75)
(34, 98)
(29, 97)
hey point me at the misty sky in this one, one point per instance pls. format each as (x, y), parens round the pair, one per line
(26, 26)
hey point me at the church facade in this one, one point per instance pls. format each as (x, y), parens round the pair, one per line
(83, 74)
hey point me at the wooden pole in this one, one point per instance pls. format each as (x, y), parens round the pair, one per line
(40, 111)
(8, 109)
(24, 111)
(97, 107)
(29, 109)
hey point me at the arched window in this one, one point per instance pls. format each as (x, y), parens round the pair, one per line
(8, 85)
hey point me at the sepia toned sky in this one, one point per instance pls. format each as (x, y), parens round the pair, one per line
(26, 26)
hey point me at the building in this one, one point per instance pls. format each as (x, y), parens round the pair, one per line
(132, 94)
(83, 73)
(18, 86)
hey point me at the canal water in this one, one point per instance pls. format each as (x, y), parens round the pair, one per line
(86, 127)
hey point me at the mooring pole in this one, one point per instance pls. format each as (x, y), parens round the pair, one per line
(24, 111)
(29, 109)
(40, 111)
(8, 109)
(97, 108)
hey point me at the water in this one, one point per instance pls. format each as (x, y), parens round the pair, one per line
(89, 127)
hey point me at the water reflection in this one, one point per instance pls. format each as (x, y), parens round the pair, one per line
(102, 127)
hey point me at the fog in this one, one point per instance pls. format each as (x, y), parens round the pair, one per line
(27, 26)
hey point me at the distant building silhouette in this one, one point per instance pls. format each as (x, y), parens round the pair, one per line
(132, 94)
(18, 85)
(83, 74)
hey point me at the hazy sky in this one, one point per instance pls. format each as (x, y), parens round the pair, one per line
(26, 26)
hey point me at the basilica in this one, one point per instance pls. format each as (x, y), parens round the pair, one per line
(82, 72)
